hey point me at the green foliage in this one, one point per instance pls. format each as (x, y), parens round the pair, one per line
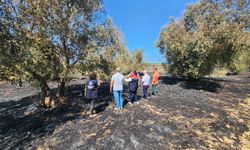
(106, 51)
(210, 33)
(241, 63)
(46, 40)
(137, 56)
(137, 59)
(49, 40)
(247, 58)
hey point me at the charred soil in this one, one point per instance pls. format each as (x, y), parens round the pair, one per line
(212, 113)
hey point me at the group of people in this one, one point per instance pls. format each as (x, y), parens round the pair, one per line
(116, 87)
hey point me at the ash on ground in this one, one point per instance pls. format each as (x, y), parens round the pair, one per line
(212, 113)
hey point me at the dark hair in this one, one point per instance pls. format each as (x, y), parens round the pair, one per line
(133, 71)
(155, 68)
(92, 75)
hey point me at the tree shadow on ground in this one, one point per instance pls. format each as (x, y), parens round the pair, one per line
(20, 126)
(205, 84)
(24, 120)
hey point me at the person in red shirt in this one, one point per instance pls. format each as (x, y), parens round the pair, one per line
(133, 86)
(155, 82)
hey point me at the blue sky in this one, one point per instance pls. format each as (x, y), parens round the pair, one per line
(142, 20)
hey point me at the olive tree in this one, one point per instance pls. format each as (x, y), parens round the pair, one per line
(211, 33)
(46, 38)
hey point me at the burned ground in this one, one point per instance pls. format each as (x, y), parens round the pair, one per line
(206, 114)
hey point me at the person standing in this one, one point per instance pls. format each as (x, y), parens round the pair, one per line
(155, 82)
(116, 87)
(145, 83)
(91, 90)
(133, 86)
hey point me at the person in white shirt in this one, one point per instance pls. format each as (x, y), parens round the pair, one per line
(116, 87)
(145, 82)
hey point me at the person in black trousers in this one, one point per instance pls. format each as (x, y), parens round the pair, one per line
(133, 82)
(91, 90)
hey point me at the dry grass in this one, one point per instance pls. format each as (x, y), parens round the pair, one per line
(245, 139)
(2, 82)
(219, 73)
(205, 131)
(179, 118)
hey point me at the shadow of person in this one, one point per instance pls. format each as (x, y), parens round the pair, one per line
(101, 107)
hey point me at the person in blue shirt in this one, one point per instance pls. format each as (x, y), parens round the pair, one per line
(91, 90)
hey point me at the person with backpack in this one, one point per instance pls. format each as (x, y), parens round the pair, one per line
(145, 83)
(91, 90)
(155, 82)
